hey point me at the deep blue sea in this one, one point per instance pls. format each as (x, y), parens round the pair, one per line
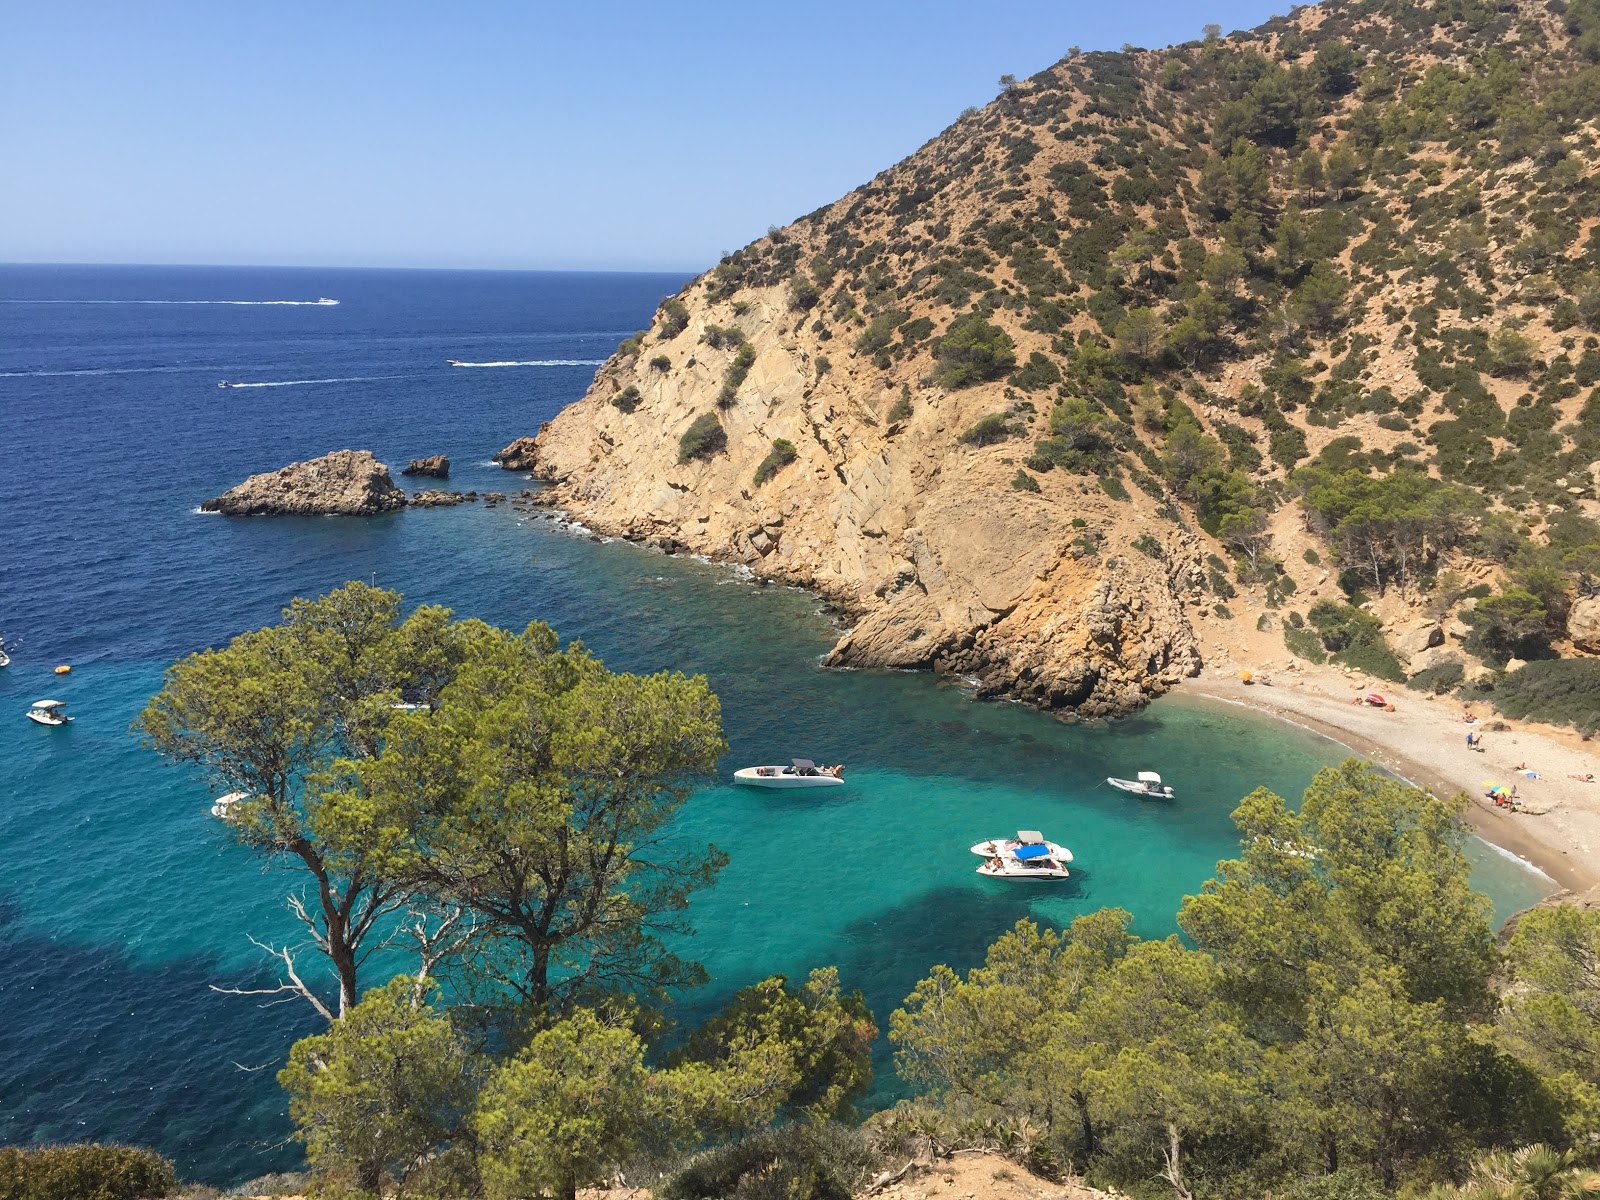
(119, 901)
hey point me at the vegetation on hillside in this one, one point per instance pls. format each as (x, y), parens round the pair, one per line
(1343, 262)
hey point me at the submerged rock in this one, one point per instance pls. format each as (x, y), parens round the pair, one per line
(346, 483)
(435, 466)
(438, 499)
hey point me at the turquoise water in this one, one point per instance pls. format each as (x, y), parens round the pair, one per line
(119, 902)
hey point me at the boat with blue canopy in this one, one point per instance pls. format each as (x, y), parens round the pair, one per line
(1029, 855)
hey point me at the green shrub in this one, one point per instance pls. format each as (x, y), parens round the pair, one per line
(802, 1161)
(1311, 556)
(734, 379)
(1560, 691)
(1147, 545)
(1346, 1184)
(627, 399)
(1304, 643)
(996, 427)
(661, 363)
(718, 336)
(630, 347)
(1445, 677)
(702, 439)
(674, 317)
(87, 1172)
(781, 455)
(1024, 482)
(972, 351)
(1038, 372)
(1354, 637)
(1223, 611)
(1112, 486)
(900, 410)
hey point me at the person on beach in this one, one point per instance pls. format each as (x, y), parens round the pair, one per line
(1583, 778)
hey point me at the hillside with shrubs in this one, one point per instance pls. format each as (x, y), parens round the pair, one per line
(1299, 326)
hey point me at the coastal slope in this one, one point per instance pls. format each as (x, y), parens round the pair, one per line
(1036, 404)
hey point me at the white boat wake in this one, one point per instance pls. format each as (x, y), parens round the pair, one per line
(305, 382)
(323, 302)
(533, 362)
(103, 371)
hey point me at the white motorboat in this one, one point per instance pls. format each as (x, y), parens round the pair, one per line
(222, 806)
(5, 659)
(49, 712)
(225, 383)
(1148, 784)
(800, 773)
(325, 300)
(1026, 856)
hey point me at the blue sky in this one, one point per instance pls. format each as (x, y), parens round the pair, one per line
(512, 135)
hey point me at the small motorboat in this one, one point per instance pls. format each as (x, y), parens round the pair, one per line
(455, 362)
(325, 300)
(49, 712)
(225, 383)
(800, 773)
(1148, 784)
(5, 658)
(1027, 856)
(222, 806)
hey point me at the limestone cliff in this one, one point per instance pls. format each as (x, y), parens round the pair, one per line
(921, 539)
(1036, 405)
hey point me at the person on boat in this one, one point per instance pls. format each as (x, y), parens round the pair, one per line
(836, 771)
(996, 863)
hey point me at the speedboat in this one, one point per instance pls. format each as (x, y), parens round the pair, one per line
(225, 383)
(5, 659)
(49, 712)
(222, 806)
(454, 362)
(1027, 856)
(325, 300)
(800, 773)
(1148, 784)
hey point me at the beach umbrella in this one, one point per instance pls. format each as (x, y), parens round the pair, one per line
(1246, 676)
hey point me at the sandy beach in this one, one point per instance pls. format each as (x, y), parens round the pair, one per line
(1557, 826)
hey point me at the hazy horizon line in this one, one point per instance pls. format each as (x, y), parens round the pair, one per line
(366, 267)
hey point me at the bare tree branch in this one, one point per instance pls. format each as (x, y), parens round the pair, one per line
(295, 986)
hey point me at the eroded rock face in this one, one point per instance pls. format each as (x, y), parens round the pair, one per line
(348, 483)
(435, 466)
(519, 456)
(920, 539)
(1583, 624)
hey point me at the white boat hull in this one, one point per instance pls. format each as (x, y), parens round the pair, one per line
(1017, 870)
(784, 777)
(53, 722)
(1140, 789)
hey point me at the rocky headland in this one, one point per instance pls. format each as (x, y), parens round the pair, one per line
(1263, 348)
(346, 483)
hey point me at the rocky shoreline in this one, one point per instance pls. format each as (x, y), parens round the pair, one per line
(1081, 636)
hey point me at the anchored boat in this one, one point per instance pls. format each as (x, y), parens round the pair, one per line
(800, 773)
(49, 712)
(1026, 856)
(1148, 784)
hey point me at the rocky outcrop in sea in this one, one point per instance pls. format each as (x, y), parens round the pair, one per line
(435, 466)
(346, 483)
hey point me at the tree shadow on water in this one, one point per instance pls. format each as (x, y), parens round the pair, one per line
(97, 1047)
(888, 954)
